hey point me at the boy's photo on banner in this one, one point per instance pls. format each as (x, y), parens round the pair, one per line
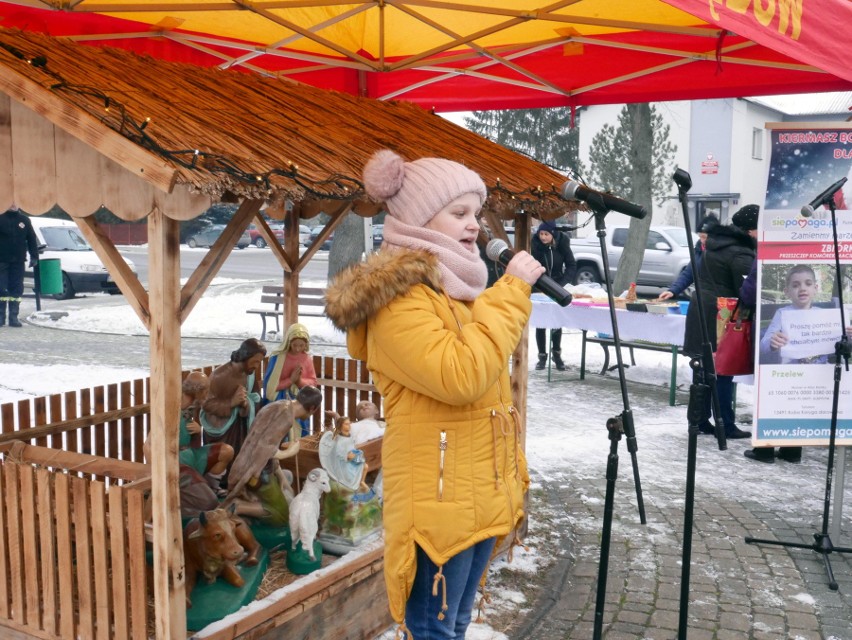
(798, 320)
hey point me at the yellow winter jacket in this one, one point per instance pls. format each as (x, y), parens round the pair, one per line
(453, 470)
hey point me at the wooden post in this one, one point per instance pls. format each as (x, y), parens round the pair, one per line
(290, 311)
(164, 286)
(520, 359)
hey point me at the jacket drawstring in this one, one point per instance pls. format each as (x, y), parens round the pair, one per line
(517, 419)
(402, 633)
(516, 542)
(440, 578)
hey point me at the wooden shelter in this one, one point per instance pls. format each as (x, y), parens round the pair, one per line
(84, 126)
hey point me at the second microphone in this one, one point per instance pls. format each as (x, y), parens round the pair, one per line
(499, 251)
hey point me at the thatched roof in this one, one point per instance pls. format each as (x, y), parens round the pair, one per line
(228, 134)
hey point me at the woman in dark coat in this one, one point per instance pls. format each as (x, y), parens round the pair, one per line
(552, 248)
(728, 257)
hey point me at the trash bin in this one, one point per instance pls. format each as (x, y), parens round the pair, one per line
(50, 276)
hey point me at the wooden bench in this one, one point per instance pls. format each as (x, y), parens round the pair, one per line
(607, 342)
(311, 297)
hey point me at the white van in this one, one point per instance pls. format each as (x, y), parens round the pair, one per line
(82, 269)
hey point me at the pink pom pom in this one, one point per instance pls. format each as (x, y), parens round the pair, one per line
(384, 174)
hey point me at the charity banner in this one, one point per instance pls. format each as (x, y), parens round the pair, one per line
(798, 320)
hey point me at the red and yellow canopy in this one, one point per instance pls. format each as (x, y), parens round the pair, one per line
(483, 54)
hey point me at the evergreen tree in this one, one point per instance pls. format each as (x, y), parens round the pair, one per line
(611, 153)
(544, 135)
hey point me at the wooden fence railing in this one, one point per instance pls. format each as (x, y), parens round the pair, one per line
(72, 549)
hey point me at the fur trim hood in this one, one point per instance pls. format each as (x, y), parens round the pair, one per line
(360, 291)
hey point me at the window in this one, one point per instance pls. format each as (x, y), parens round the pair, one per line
(619, 237)
(757, 143)
(653, 239)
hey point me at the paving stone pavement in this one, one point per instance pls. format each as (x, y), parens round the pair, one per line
(737, 591)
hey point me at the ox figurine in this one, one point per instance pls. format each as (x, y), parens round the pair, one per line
(213, 544)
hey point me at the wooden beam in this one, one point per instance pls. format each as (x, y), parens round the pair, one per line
(75, 423)
(169, 574)
(91, 131)
(216, 256)
(520, 358)
(78, 462)
(277, 250)
(123, 275)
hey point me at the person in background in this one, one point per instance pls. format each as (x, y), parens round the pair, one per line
(17, 238)
(552, 248)
(728, 257)
(687, 277)
(437, 343)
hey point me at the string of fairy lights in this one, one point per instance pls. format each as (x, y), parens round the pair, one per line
(335, 187)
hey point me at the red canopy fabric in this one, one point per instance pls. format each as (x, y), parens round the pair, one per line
(806, 30)
(584, 59)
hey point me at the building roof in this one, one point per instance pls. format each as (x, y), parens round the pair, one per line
(804, 104)
(229, 134)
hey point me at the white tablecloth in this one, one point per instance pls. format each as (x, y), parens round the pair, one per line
(632, 325)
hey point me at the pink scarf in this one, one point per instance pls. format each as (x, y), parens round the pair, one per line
(464, 273)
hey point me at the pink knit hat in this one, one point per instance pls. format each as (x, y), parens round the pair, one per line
(415, 191)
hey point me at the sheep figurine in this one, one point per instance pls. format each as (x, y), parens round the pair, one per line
(305, 511)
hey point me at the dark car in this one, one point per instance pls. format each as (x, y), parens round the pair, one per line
(258, 240)
(207, 236)
(315, 233)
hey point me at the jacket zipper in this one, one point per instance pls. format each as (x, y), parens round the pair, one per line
(442, 447)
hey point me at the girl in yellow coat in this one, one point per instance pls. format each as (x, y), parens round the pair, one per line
(438, 345)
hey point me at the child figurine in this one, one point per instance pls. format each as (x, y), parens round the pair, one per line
(338, 455)
(367, 426)
(290, 368)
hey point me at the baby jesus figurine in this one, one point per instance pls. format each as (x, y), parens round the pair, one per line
(368, 426)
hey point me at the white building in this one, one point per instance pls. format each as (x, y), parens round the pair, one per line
(722, 143)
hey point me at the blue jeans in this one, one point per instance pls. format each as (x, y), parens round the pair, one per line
(462, 572)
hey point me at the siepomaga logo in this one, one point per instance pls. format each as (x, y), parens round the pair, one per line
(800, 222)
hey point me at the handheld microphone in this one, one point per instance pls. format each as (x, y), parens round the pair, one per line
(809, 209)
(573, 190)
(499, 251)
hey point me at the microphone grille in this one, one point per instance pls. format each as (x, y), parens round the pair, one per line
(494, 248)
(569, 190)
(807, 211)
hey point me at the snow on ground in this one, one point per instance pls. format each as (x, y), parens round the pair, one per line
(565, 418)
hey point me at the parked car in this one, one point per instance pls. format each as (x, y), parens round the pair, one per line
(666, 255)
(315, 233)
(207, 236)
(304, 235)
(82, 269)
(258, 240)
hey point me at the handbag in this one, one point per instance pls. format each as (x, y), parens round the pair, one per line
(734, 353)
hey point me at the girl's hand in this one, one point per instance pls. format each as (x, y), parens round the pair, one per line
(665, 295)
(778, 340)
(524, 266)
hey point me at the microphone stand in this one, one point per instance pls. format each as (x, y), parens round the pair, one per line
(704, 383)
(842, 350)
(622, 422)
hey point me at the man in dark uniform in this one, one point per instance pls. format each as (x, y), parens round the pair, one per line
(17, 238)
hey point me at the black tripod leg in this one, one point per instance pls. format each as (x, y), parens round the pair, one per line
(694, 414)
(615, 428)
(632, 448)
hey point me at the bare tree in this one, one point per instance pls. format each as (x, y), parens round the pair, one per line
(641, 172)
(348, 245)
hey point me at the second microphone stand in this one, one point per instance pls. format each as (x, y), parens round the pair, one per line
(621, 423)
